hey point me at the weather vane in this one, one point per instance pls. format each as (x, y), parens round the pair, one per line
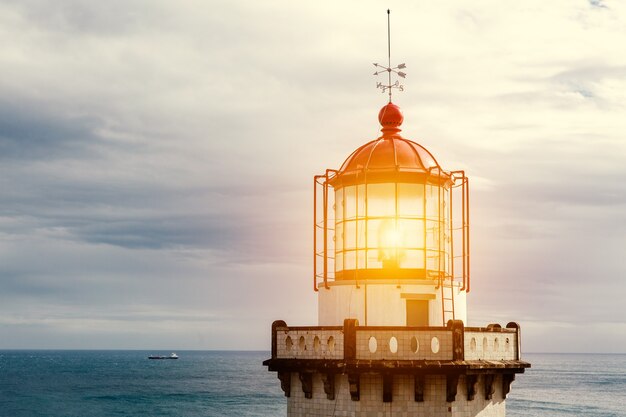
(388, 69)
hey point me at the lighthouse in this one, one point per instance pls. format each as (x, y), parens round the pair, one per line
(391, 270)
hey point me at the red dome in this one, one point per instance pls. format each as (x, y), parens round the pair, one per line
(390, 157)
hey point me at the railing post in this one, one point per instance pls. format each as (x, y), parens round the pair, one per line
(518, 337)
(458, 339)
(467, 231)
(275, 326)
(349, 338)
(325, 199)
(315, 233)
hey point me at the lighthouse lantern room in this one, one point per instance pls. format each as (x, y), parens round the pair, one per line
(390, 246)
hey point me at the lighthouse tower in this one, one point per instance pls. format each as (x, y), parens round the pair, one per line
(392, 273)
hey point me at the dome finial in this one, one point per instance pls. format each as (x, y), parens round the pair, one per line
(390, 118)
(388, 69)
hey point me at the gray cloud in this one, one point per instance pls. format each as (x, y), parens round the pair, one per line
(156, 160)
(598, 4)
(113, 18)
(28, 130)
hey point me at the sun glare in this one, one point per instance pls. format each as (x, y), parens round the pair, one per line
(390, 237)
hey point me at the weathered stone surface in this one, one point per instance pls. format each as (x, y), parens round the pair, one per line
(471, 381)
(490, 387)
(452, 382)
(285, 382)
(306, 378)
(507, 380)
(355, 386)
(387, 388)
(329, 385)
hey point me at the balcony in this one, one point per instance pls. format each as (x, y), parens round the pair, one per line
(351, 349)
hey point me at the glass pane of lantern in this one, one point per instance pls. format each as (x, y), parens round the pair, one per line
(360, 259)
(412, 233)
(360, 231)
(432, 234)
(381, 200)
(349, 234)
(374, 260)
(432, 260)
(373, 238)
(349, 260)
(360, 196)
(383, 233)
(349, 196)
(390, 235)
(390, 257)
(339, 261)
(410, 200)
(339, 236)
(412, 259)
(434, 198)
(339, 204)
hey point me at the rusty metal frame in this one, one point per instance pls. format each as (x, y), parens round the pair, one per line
(461, 180)
(458, 179)
(322, 181)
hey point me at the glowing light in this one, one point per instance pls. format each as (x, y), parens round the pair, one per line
(390, 236)
(392, 244)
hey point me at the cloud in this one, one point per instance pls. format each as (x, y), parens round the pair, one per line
(157, 158)
(31, 131)
(598, 4)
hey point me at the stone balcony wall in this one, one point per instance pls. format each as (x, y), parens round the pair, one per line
(396, 343)
(309, 343)
(491, 345)
(317, 358)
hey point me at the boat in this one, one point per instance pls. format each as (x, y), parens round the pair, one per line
(172, 356)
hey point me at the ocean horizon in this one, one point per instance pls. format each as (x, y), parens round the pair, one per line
(224, 383)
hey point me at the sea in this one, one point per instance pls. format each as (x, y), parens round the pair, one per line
(68, 383)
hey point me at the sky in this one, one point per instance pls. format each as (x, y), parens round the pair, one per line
(156, 161)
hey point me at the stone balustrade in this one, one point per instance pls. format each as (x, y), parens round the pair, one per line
(374, 343)
(309, 342)
(492, 343)
(393, 343)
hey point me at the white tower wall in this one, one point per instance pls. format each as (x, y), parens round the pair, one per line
(383, 303)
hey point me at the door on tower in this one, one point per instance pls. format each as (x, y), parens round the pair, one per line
(417, 312)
